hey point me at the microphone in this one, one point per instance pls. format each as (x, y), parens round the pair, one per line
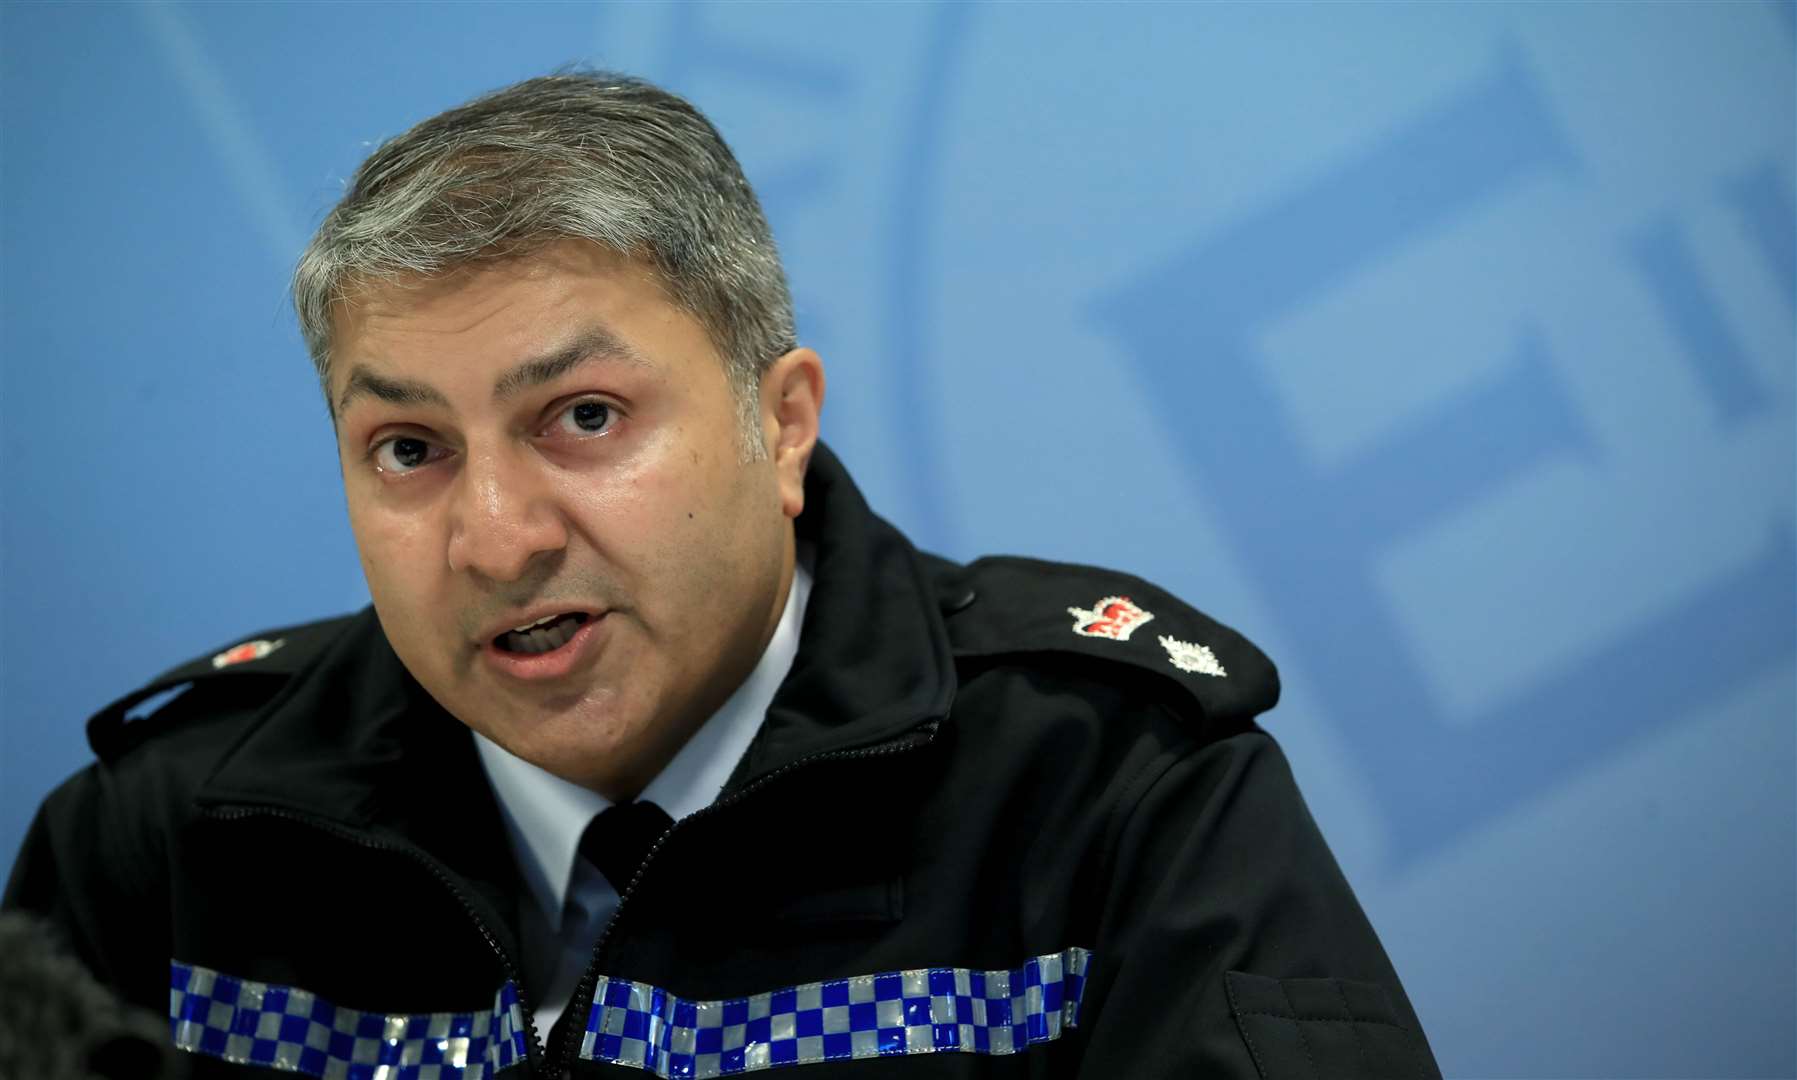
(58, 1023)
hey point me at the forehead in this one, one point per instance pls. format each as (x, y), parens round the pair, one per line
(500, 308)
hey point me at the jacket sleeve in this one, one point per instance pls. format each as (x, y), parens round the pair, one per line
(1231, 945)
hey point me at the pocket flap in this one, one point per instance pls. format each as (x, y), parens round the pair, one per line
(1325, 1029)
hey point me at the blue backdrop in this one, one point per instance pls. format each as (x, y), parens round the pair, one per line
(1445, 350)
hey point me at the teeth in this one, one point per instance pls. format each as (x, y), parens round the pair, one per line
(543, 635)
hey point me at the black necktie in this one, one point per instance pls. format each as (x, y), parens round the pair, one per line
(618, 840)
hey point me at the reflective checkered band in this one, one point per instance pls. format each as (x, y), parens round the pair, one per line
(284, 1027)
(923, 1011)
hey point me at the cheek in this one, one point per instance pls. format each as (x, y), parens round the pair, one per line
(677, 527)
(728, 534)
(396, 553)
(642, 512)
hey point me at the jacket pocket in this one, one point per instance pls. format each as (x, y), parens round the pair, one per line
(1325, 1029)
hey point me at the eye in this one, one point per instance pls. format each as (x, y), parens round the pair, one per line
(404, 454)
(586, 417)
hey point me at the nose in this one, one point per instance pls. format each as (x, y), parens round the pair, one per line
(504, 514)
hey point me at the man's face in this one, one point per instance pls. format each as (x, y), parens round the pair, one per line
(550, 444)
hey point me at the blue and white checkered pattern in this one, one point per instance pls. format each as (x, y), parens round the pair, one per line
(923, 1011)
(283, 1027)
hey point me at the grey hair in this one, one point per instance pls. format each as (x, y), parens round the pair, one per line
(588, 155)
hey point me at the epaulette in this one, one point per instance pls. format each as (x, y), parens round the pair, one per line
(260, 664)
(1006, 605)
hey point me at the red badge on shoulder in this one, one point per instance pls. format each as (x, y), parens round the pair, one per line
(249, 650)
(1114, 617)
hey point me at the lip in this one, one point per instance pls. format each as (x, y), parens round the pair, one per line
(554, 664)
(530, 615)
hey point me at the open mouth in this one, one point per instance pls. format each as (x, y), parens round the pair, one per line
(545, 635)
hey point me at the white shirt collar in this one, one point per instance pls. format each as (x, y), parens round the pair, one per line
(546, 815)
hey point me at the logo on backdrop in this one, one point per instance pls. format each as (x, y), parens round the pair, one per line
(1453, 158)
(1215, 299)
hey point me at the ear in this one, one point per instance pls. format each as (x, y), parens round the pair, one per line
(792, 396)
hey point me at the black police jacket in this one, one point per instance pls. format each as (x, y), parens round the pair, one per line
(1005, 819)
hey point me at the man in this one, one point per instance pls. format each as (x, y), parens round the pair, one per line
(659, 751)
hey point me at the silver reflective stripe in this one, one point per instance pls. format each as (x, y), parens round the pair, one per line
(287, 1028)
(921, 1011)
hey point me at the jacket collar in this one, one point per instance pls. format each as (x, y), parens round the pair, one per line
(874, 661)
(355, 739)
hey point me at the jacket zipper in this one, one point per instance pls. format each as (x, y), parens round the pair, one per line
(437, 871)
(581, 1003)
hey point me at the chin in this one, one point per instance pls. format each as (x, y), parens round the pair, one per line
(583, 748)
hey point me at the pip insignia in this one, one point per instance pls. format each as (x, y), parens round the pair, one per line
(249, 650)
(1194, 658)
(1114, 617)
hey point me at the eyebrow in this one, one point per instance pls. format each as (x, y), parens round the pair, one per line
(593, 344)
(365, 383)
